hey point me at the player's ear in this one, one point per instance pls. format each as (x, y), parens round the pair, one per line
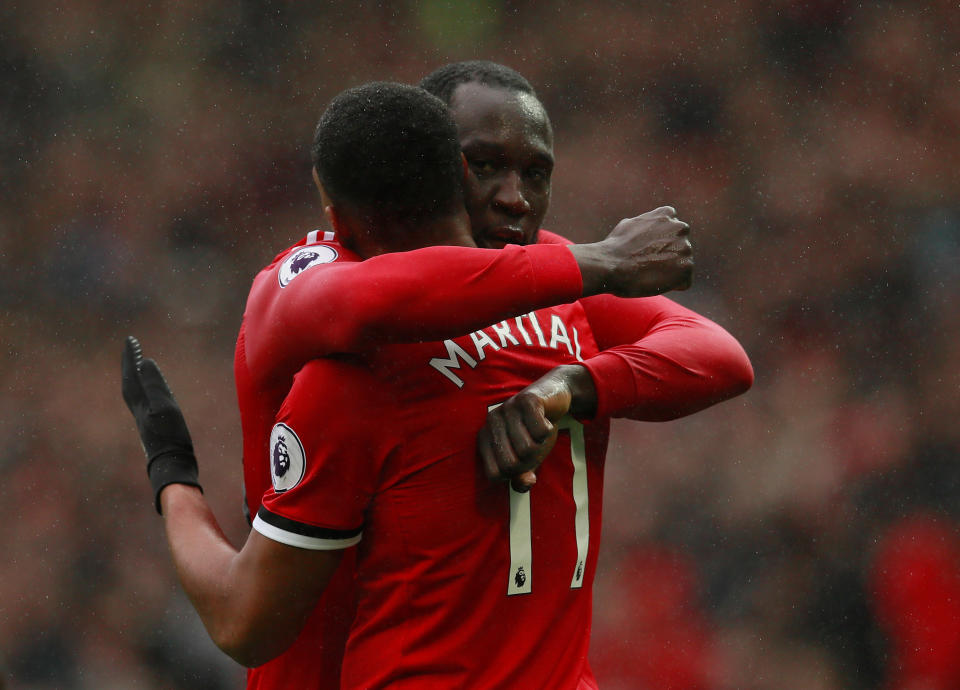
(466, 167)
(341, 228)
(325, 199)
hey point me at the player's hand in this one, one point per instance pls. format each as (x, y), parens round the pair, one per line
(520, 433)
(642, 256)
(163, 431)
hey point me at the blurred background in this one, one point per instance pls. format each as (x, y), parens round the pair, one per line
(156, 155)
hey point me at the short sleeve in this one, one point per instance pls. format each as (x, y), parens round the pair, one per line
(324, 462)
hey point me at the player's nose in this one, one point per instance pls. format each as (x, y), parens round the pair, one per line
(509, 195)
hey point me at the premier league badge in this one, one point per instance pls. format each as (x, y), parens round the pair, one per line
(286, 458)
(302, 259)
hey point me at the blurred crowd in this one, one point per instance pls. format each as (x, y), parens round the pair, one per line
(804, 536)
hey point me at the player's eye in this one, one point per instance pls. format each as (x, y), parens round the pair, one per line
(538, 173)
(483, 167)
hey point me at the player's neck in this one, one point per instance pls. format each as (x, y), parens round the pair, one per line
(452, 230)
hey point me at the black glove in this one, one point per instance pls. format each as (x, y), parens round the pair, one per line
(163, 431)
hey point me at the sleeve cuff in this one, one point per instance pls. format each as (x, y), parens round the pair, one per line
(556, 273)
(615, 383)
(302, 535)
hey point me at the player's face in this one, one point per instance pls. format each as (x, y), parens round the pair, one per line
(508, 143)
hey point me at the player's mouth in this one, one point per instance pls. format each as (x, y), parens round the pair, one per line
(499, 236)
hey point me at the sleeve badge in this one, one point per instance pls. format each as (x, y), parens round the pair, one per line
(302, 259)
(286, 458)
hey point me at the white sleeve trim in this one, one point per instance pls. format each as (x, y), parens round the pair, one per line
(302, 541)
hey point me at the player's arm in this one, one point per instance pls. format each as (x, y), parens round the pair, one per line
(441, 292)
(659, 360)
(519, 434)
(681, 363)
(254, 601)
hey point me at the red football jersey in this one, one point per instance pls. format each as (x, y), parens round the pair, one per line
(315, 298)
(660, 360)
(460, 582)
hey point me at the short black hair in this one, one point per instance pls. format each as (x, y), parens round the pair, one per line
(443, 81)
(390, 151)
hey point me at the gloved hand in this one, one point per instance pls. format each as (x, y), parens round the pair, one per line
(163, 431)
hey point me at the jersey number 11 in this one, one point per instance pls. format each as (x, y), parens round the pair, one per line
(521, 552)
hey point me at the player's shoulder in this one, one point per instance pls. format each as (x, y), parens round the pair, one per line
(356, 386)
(343, 392)
(318, 248)
(547, 237)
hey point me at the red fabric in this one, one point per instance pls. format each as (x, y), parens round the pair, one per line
(661, 638)
(660, 360)
(915, 584)
(310, 316)
(426, 294)
(345, 306)
(394, 448)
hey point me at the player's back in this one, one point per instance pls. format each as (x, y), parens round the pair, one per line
(260, 392)
(492, 586)
(314, 660)
(461, 582)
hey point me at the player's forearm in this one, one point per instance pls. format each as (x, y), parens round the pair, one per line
(682, 367)
(253, 602)
(203, 558)
(207, 565)
(427, 294)
(456, 292)
(583, 390)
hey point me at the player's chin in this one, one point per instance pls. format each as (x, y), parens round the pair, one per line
(486, 241)
(498, 238)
